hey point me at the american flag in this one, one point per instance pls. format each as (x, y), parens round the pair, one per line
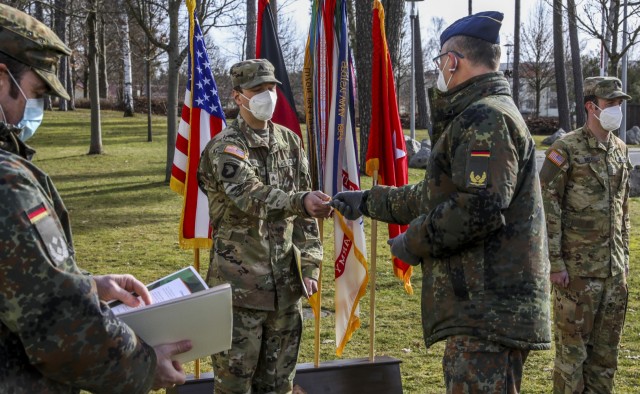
(202, 119)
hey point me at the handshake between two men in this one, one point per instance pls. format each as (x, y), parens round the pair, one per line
(349, 204)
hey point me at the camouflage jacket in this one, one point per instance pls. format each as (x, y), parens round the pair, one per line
(55, 334)
(585, 187)
(256, 184)
(477, 222)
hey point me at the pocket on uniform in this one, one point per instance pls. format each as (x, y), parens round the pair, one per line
(568, 311)
(466, 272)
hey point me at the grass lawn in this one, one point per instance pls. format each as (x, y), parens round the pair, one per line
(125, 219)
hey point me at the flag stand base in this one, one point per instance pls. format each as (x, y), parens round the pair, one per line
(356, 375)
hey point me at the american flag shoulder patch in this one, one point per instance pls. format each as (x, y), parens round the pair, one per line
(235, 151)
(37, 213)
(556, 158)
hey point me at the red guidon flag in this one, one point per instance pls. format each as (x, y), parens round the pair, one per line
(268, 47)
(202, 118)
(387, 151)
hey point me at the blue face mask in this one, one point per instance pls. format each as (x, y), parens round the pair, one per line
(33, 114)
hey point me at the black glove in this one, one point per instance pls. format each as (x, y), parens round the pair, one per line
(399, 250)
(348, 204)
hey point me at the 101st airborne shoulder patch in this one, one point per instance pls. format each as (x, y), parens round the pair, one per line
(235, 151)
(477, 168)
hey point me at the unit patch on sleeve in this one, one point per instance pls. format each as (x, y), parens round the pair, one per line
(477, 168)
(234, 150)
(49, 232)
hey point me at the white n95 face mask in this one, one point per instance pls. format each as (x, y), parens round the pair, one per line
(262, 104)
(610, 117)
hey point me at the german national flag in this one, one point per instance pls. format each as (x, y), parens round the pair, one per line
(268, 47)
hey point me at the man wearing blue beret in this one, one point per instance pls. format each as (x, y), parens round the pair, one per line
(476, 223)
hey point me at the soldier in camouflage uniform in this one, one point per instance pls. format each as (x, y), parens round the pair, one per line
(265, 241)
(56, 336)
(585, 183)
(476, 222)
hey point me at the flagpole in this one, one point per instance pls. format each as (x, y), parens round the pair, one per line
(196, 265)
(316, 356)
(372, 283)
(191, 6)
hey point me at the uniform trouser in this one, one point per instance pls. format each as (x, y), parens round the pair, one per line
(263, 354)
(473, 365)
(588, 318)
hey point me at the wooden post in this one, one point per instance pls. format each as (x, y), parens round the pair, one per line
(196, 265)
(372, 281)
(316, 356)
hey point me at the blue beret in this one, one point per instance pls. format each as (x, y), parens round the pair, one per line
(483, 25)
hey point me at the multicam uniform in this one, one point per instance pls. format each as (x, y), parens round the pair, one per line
(585, 187)
(55, 334)
(256, 181)
(476, 220)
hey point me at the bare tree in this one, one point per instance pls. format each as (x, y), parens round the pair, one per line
(95, 147)
(516, 54)
(558, 60)
(363, 49)
(393, 18)
(537, 67)
(103, 78)
(175, 47)
(60, 19)
(595, 12)
(422, 120)
(470, 7)
(251, 29)
(576, 64)
(127, 94)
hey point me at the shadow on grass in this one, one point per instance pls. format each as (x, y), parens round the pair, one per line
(107, 175)
(108, 191)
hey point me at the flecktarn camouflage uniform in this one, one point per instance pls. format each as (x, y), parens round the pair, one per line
(55, 334)
(256, 181)
(477, 222)
(585, 187)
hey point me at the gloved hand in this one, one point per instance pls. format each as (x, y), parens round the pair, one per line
(348, 204)
(399, 250)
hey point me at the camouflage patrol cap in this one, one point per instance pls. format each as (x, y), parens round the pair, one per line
(32, 43)
(605, 88)
(251, 73)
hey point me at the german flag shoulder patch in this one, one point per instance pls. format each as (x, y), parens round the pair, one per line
(37, 213)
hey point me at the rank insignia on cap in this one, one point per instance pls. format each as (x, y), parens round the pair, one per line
(38, 213)
(556, 158)
(234, 150)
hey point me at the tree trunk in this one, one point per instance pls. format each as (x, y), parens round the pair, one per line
(39, 15)
(71, 82)
(576, 63)
(393, 15)
(172, 89)
(614, 26)
(422, 118)
(470, 7)
(558, 60)
(516, 55)
(60, 18)
(251, 29)
(102, 60)
(363, 49)
(96, 132)
(127, 94)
